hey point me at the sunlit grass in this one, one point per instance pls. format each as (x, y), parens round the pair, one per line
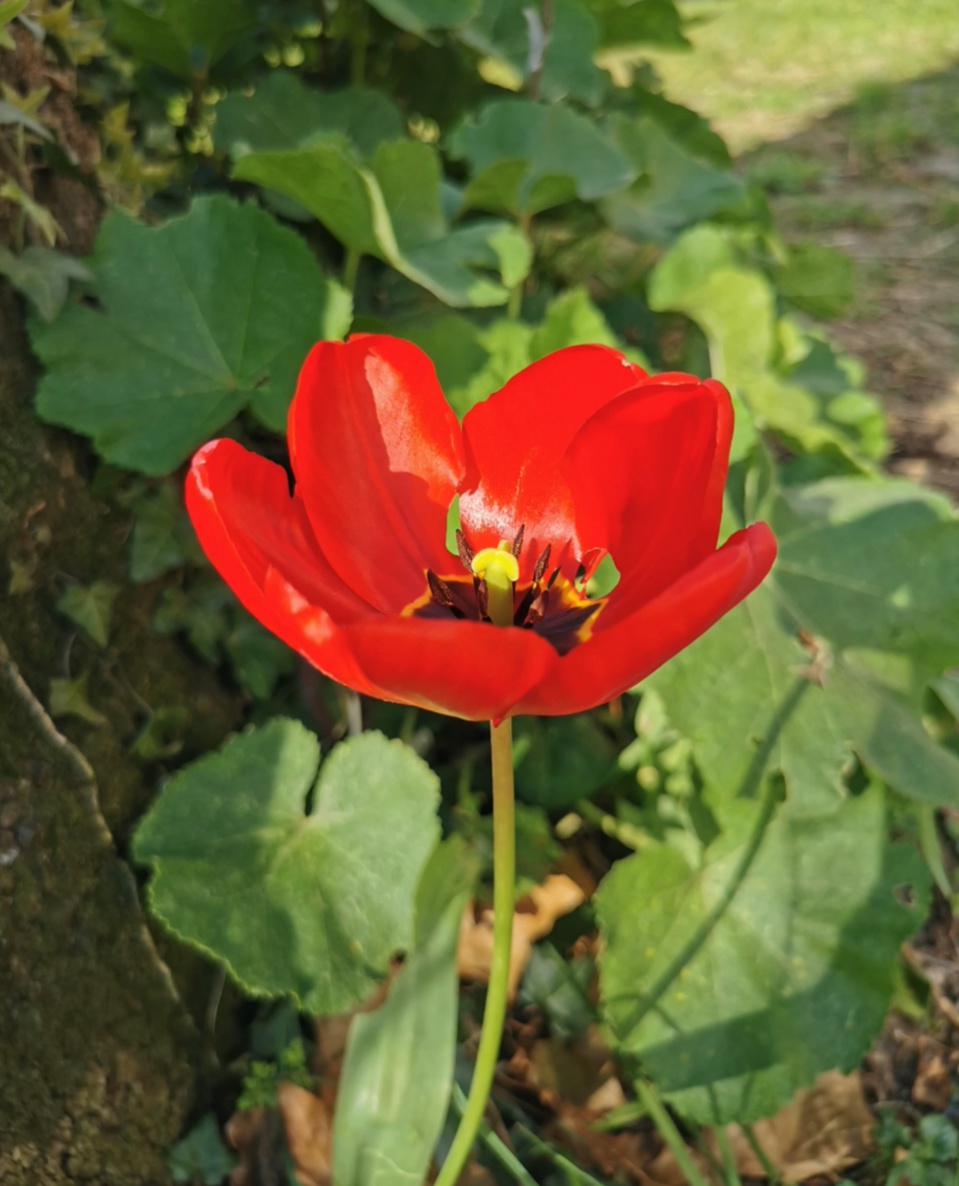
(764, 69)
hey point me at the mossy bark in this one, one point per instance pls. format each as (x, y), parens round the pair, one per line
(100, 1051)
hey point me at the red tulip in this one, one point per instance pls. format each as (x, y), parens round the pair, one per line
(580, 454)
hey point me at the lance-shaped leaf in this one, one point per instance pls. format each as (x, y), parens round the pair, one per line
(300, 890)
(526, 157)
(391, 209)
(737, 982)
(862, 610)
(398, 1071)
(198, 318)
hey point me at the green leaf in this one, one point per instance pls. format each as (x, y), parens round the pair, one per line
(642, 22)
(502, 31)
(419, 16)
(735, 306)
(200, 317)
(395, 1087)
(283, 112)
(819, 280)
(674, 189)
(561, 761)
(43, 276)
(526, 157)
(311, 904)
(864, 599)
(739, 981)
(184, 37)
(70, 698)
(560, 989)
(163, 538)
(10, 9)
(571, 320)
(201, 1156)
(90, 607)
(259, 658)
(393, 210)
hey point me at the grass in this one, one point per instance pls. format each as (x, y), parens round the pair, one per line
(764, 69)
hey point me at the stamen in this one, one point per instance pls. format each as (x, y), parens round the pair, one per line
(482, 598)
(439, 590)
(465, 551)
(541, 565)
(518, 541)
(552, 580)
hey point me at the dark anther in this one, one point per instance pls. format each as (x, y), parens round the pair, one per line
(482, 599)
(465, 551)
(541, 564)
(439, 590)
(552, 580)
(518, 541)
(537, 611)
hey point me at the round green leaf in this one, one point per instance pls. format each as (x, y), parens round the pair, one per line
(307, 903)
(736, 983)
(199, 317)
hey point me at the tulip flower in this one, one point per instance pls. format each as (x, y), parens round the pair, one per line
(580, 454)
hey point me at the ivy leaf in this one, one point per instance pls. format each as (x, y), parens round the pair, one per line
(306, 902)
(201, 1156)
(91, 608)
(393, 210)
(419, 16)
(398, 1070)
(526, 157)
(282, 112)
(742, 979)
(162, 536)
(864, 600)
(201, 317)
(43, 276)
(70, 698)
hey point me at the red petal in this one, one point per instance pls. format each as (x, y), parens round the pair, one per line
(259, 540)
(647, 474)
(378, 457)
(466, 669)
(619, 656)
(516, 439)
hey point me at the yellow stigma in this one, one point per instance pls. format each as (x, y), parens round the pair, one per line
(499, 568)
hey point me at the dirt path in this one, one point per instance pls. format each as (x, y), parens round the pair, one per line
(880, 180)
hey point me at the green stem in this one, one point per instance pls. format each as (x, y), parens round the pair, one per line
(726, 1152)
(670, 1133)
(772, 1174)
(359, 40)
(351, 266)
(494, 1015)
(506, 1157)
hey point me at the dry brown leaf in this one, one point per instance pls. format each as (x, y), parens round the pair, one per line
(308, 1124)
(535, 917)
(257, 1136)
(932, 1087)
(820, 1132)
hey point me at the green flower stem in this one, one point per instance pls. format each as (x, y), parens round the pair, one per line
(726, 1152)
(351, 267)
(670, 1133)
(494, 1015)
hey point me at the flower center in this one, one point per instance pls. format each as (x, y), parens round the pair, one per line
(550, 604)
